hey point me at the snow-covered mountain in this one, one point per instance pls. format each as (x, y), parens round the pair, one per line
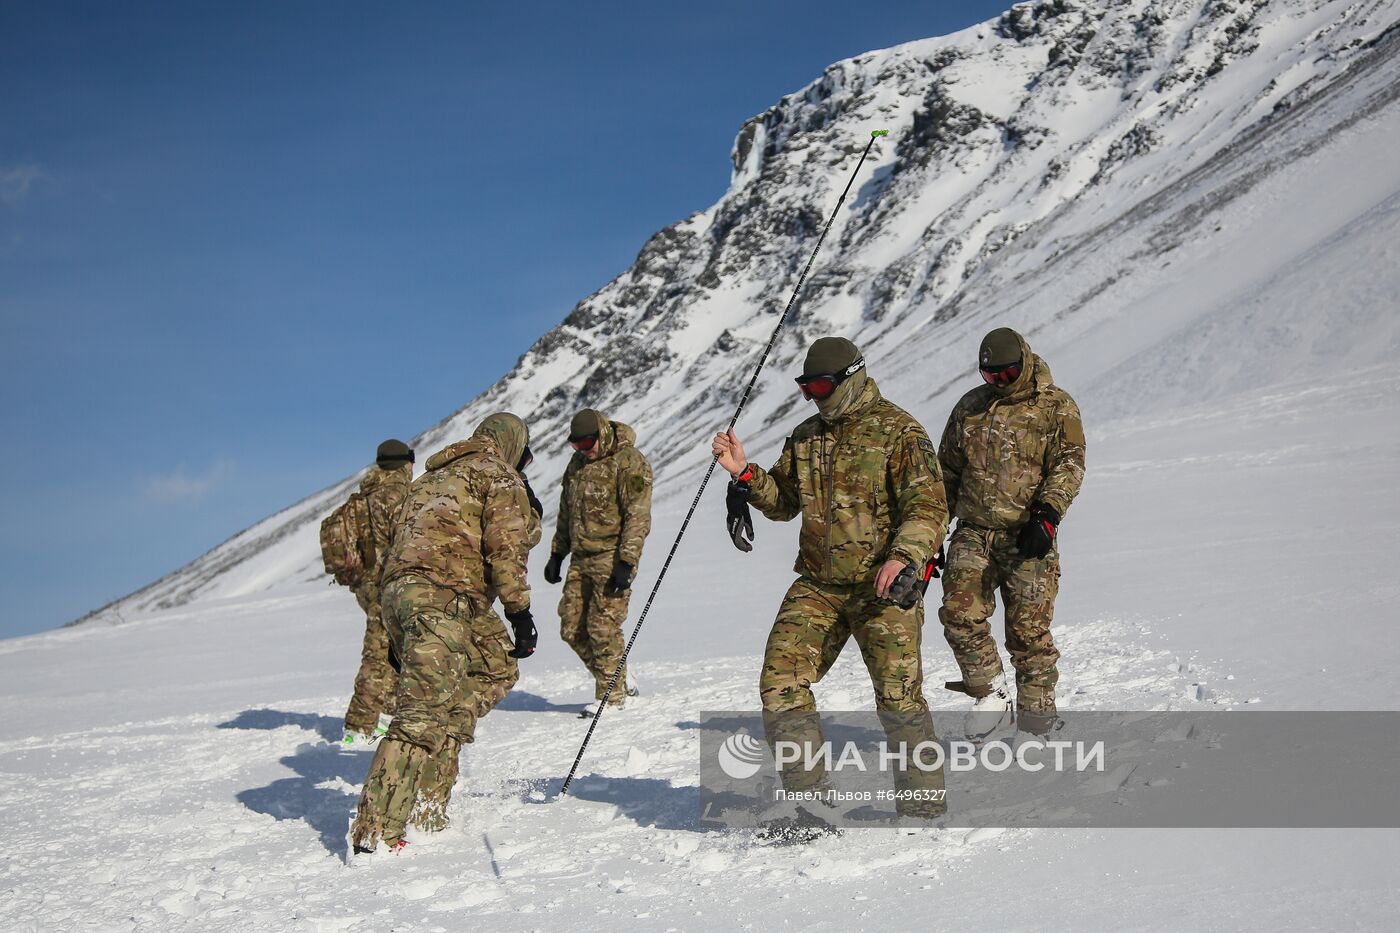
(1174, 199)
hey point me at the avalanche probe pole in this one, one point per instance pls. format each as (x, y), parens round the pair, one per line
(743, 400)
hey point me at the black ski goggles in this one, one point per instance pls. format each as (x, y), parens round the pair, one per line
(819, 388)
(527, 457)
(585, 443)
(1001, 375)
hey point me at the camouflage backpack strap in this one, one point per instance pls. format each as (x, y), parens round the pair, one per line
(368, 548)
(385, 492)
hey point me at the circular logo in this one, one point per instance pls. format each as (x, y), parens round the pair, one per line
(741, 756)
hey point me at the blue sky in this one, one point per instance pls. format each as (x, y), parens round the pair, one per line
(241, 243)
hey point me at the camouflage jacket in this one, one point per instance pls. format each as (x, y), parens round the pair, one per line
(467, 526)
(605, 505)
(1001, 452)
(868, 489)
(384, 492)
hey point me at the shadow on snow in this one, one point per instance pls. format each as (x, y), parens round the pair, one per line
(327, 810)
(522, 701)
(651, 803)
(648, 802)
(327, 727)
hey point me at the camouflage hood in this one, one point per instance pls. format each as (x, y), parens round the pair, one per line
(1035, 374)
(502, 435)
(612, 437)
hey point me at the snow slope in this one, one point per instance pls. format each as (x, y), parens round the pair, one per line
(1191, 208)
(172, 773)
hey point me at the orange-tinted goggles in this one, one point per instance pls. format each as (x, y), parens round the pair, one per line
(583, 443)
(819, 388)
(1001, 375)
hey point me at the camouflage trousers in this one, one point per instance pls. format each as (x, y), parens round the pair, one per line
(813, 625)
(378, 676)
(455, 669)
(981, 561)
(590, 622)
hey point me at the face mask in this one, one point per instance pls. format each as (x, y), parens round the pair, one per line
(840, 402)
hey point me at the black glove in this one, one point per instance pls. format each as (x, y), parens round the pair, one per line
(1038, 535)
(523, 624)
(906, 589)
(739, 521)
(551, 569)
(907, 586)
(536, 505)
(620, 580)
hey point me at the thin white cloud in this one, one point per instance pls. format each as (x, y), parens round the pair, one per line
(181, 485)
(16, 180)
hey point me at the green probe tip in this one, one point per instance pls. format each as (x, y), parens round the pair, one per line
(879, 133)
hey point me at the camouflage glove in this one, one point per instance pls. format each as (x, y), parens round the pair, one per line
(536, 505)
(1038, 535)
(740, 520)
(523, 625)
(620, 580)
(551, 569)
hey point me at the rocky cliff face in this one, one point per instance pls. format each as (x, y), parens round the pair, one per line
(1042, 169)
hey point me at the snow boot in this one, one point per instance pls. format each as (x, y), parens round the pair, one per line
(360, 856)
(989, 713)
(1037, 725)
(591, 710)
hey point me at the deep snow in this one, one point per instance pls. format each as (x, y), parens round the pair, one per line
(174, 772)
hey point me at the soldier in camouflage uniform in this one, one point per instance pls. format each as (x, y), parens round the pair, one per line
(1013, 460)
(864, 476)
(461, 542)
(384, 488)
(604, 518)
